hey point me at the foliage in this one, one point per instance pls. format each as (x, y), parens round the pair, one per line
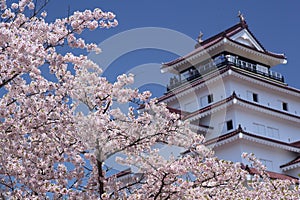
(51, 151)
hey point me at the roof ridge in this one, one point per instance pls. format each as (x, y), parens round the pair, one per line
(217, 38)
(231, 30)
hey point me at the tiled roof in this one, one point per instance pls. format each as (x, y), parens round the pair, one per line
(193, 84)
(275, 175)
(240, 130)
(209, 107)
(223, 137)
(230, 98)
(209, 42)
(296, 144)
(123, 173)
(280, 56)
(220, 36)
(254, 171)
(214, 75)
(183, 114)
(272, 175)
(283, 86)
(295, 161)
(268, 108)
(177, 111)
(227, 33)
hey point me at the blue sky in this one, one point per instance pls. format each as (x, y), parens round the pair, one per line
(276, 24)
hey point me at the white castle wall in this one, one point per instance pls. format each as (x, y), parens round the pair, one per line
(272, 157)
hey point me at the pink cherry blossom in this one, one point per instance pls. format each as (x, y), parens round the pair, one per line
(44, 14)
(50, 149)
(31, 5)
(14, 6)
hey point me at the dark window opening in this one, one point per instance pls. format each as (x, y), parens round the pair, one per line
(229, 125)
(210, 98)
(255, 97)
(284, 106)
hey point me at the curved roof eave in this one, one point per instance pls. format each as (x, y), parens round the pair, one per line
(224, 43)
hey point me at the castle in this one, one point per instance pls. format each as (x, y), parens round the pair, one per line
(228, 91)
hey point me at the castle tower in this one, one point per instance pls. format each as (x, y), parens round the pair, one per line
(228, 91)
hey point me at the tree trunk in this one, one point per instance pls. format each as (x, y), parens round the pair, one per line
(100, 177)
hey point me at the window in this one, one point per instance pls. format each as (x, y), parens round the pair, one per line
(210, 98)
(206, 100)
(189, 74)
(276, 75)
(226, 126)
(239, 62)
(250, 66)
(267, 131)
(284, 106)
(252, 96)
(255, 97)
(259, 129)
(262, 69)
(229, 125)
(273, 132)
(230, 58)
(244, 64)
(206, 66)
(185, 74)
(267, 163)
(219, 59)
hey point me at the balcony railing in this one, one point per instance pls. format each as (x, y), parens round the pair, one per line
(217, 63)
(255, 68)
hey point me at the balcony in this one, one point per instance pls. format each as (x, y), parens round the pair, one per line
(218, 62)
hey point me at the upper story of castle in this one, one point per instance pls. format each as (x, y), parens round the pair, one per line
(236, 47)
(231, 62)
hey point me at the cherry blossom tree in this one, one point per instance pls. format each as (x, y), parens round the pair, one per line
(49, 150)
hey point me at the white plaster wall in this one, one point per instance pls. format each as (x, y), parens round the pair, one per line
(289, 131)
(192, 101)
(223, 88)
(266, 96)
(277, 155)
(232, 151)
(217, 121)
